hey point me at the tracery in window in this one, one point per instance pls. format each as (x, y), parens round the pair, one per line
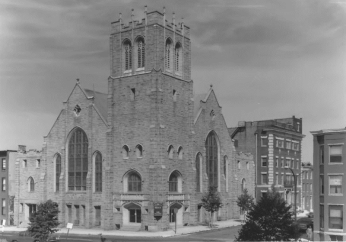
(134, 183)
(168, 55)
(212, 159)
(178, 57)
(140, 52)
(77, 160)
(127, 50)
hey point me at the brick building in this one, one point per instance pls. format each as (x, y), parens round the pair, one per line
(130, 157)
(307, 181)
(329, 152)
(7, 161)
(276, 145)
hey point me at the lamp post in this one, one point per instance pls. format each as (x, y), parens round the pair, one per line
(295, 191)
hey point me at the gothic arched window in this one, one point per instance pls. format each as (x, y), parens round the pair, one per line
(98, 172)
(212, 159)
(77, 160)
(31, 184)
(134, 183)
(198, 172)
(178, 57)
(57, 171)
(127, 49)
(243, 185)
(173, 182)
(140, 52)
(168, 54)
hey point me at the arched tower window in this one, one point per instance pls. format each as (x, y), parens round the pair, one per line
(139, 151)
(170, 151)
(57, 172)
(198, 172)
(140, 54)
(212, 159)
(127, 52)
(243, 185)
(169, 55)
(178, 58)
(77, 160)
(31, 184)
(125, 152)
(134, 183)
(180, 153)
(98, 172)
(175, 182)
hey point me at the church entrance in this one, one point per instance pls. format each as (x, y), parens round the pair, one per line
(176, 217)
(132, 214)
(135, 215)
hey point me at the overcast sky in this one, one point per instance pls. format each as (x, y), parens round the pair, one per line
(265, 59)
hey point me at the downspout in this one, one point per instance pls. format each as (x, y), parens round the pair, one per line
(256, 165)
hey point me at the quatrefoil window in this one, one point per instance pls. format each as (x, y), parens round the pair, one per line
(77, 109)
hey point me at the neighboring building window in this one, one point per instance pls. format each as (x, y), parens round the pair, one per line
(264, 141)
(243, 185)
(38, 163)
(264, 178)
(212, 159)
(125, 152)
(277, 179)
(169, 54)
(335, 152)
(335, 185)
(180, 153)
(282, 163)
(178, 56)
(57, 171)
(321, 154)
(134, 183)
(139, 151)
(335, 217)
(98, 172)
(264, 161)
(77, 161)
(140, 52)
(31, 184)
(295, 145)
(198, 172)
(127, 48)
(3, 208)
(288, 144)
(173, 182)
(321, 184)
(297, 163)
(288, 162)
(3, 164)
(292, 163)
(279, 143)
(276, 162)
(170, 151)
(4, 183)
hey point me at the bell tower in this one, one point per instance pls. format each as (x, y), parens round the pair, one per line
(152, 43)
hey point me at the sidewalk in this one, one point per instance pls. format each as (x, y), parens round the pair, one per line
(180, 230)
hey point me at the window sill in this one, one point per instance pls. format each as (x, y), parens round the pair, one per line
(140, 69)
(98, 192)
(336, 195)
(335, 163)
(336, 230)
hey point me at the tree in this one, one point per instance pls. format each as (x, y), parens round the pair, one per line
(211, 201)
(44, 221)
(245, 202)
(268, 220)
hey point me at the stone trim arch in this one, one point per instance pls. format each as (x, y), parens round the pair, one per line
(57, 173)
(212, 132)
(125, 180)
(96, 180)
(179, 182)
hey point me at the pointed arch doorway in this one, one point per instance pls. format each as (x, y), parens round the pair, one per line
(179, 215)
(132, 214)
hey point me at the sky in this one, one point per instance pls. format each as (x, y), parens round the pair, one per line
(266, 59)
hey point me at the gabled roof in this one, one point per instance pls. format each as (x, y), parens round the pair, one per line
(198, 98)
(100, 101)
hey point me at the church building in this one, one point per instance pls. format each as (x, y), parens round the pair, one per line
(143, 151)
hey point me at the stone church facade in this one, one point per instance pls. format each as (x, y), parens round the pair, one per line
(141, 152)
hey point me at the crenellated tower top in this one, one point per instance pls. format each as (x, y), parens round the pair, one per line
(152, 43)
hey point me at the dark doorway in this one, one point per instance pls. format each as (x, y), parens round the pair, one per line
(135, 215)
(97, 215)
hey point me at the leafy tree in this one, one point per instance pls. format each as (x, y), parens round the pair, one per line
(245, 202)
(211, 201)
(268, 220)
(44, 221)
